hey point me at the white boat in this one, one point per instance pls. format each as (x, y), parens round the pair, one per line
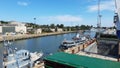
(67, 44)
(79, 39)
(13, 58)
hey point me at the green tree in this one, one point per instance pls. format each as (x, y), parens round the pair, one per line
(52, 25)
(4, 22)
(61, 26)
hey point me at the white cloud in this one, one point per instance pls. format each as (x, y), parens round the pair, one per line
(62, 18)
(22, 3)
(104, 5)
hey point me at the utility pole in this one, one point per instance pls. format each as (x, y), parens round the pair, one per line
(35, 25)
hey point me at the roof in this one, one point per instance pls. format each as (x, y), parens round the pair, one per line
(79, 61)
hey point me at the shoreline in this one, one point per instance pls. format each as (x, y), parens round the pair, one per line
(29, 36)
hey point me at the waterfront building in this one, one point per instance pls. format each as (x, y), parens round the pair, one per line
(39, 31)
(59, 30)
(13, 27)
(0, 29)
(53, 30)
(56, 30)
(30, 30)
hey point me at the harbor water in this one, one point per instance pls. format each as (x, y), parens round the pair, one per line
(47, 44)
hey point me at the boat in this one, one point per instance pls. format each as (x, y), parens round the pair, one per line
(76, 40)
(80, 38)
(13, 58)
(67, 44)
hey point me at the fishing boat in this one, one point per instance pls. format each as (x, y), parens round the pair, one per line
(13, 58)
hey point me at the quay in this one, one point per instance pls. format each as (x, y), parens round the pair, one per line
(28, 36)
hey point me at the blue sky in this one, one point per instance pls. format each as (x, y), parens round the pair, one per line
(67, 12)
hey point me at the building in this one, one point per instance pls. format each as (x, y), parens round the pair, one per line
(59, 30)
(56, 30)
(65, 60)
(13, 27)
(53, 30)
(0, 29)
(38, 31)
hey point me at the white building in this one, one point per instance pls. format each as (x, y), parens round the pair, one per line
(39, 31)
(59, 30)
(53, 30)
(13, 27)
(0, 29)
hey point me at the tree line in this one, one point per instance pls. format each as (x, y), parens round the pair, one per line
(46, 28)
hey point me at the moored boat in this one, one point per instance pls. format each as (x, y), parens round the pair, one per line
(67, 44)
(13, 58)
